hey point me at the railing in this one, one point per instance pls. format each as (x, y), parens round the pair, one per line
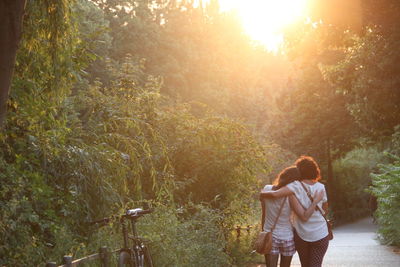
(103, 256)
(247, 229)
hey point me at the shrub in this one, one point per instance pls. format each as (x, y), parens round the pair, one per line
(386, 187)
(240, 248)
(189, 236)
(352, 174)
(105, 152)
(215, 160)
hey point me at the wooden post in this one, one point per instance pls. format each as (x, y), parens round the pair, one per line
(238, 231)
(67, 261)
(104, 256)
(51, 264)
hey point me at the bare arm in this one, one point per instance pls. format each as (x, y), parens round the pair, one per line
(325, 204)
(282, 192)
(303, 214)
(325, 207)
(262, 215)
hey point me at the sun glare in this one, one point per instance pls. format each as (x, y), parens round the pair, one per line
(265, 20)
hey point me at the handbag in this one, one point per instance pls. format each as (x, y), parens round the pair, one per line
(328, 222)
(263, 242)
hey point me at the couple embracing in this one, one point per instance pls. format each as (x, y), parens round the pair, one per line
(296, 191)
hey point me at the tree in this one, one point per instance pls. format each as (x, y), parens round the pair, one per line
(50, 19)
(312, 117)
(11, 19)
(368, 73)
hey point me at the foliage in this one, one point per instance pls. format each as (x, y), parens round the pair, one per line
(356, 73)
(81, 149)
(95, 39)
(352, 178)
(45, 60)
(240, 248)
(214, 159)
(202, 55)
(185, 236)
(170, 102)
(311, 117)
(395, 142)
(65, 176)
(386, 187)
(189, 236)
(368, 77)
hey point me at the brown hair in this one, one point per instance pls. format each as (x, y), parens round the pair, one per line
(308, 168)
(286, 176)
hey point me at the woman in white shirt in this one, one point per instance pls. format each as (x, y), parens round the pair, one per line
(282, 235)
(311, 236)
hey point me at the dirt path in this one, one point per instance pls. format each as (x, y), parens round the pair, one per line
(355, 245)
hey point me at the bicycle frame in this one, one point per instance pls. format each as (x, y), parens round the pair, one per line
(135, 252)
(136, 249)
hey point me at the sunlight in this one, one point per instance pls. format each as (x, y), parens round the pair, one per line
(265, 20)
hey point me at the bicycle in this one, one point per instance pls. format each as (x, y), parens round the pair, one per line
(136, 255)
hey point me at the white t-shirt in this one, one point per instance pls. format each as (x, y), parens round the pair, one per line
(315, 228)
(283, 229)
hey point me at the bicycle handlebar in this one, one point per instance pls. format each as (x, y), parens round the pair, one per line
(136, 212)
(102, 221)
(131, 214)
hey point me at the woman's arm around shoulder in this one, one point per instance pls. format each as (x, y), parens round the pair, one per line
(303, 214)
(262, 215)
(282, 192)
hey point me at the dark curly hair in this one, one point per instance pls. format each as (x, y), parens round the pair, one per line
(308, 168)
(286, 176)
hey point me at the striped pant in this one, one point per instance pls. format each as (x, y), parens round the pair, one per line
(311, 254)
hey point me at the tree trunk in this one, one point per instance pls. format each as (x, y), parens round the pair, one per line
(331, 185)
(11, 17)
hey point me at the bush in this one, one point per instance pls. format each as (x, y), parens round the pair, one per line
(352, 178)
(106, 147)
(215, 160)
(240, 248)
(75, 149)
(386, 187)
(189, 236)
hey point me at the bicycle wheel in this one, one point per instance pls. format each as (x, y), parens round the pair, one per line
(148, 262)
(143, 256)
(125, 260)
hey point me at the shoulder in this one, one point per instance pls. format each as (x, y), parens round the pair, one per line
(293, 185)
(320, 185)
(267, 187)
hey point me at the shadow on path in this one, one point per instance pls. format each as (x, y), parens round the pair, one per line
(356, 245)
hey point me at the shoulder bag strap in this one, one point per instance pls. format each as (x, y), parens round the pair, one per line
(279, 213)
(311, 198)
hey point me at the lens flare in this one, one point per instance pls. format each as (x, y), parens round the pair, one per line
(265, 20)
